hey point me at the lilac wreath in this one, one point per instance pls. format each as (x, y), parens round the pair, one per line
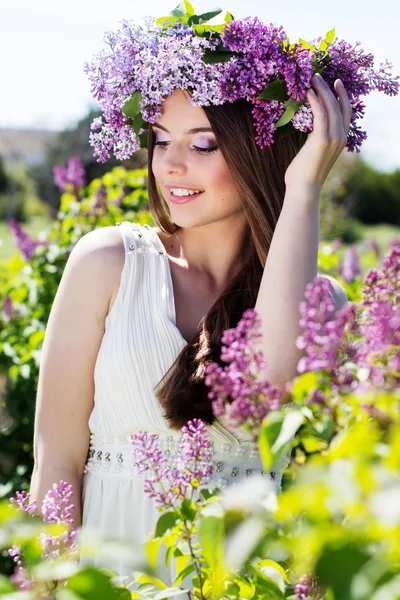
(240, 58)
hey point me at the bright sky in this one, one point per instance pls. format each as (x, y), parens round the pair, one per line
(47, 42)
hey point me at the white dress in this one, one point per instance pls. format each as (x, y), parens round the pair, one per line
(140, 343)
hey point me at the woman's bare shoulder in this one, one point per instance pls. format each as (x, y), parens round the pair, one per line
(105, 246)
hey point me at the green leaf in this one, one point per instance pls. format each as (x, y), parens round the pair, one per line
(277, 90)
(167, 521)
(180, 10)
(323, 45)
(210, 57)
(91, 584)
(144, 139)
(168, 21)
(6, 587)
(211, 538)
(206, 494)
(131, 106)
(301, 387)
(188, 8)
(189, 509)
(338, 565)
(207, 16)
(264, 584)
(330, 36)
(152, 547)
(141, 577)
(276, 434)
(304, 43)
(137, 123)
(292, 106)
(186, 571)
(313, 444)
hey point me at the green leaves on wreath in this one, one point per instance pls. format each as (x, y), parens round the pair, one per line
(131, 109)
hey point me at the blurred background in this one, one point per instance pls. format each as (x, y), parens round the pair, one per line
(46, 107)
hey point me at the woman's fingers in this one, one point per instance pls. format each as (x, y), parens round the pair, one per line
(320, 127)
(337, 111)
(344, 102)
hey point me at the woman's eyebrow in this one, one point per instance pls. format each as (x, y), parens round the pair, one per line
(190, 132)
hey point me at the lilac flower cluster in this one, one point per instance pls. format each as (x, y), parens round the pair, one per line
(193, 468)
(236, 391)
(73, 174)
(328, 337)
(9, 311)
(350, 267)
(155, 60)
(24, 241)
(381, 325)
(307, 588)
(365, 337)
(56, 508)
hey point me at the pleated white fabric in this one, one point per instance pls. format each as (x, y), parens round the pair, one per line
(140, 343)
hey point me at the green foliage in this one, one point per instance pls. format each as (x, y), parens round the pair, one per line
(371, 196)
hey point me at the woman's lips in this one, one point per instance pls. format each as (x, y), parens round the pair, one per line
(183, 199)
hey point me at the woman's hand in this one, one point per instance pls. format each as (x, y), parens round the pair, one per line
(309, 169)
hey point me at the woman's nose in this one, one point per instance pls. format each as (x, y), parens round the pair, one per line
(174, 160)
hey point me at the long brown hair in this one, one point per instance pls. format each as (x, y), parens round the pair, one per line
(259, 177)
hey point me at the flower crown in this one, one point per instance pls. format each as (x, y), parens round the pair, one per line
(238, 58)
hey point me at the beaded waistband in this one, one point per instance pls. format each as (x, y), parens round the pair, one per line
(231, 462)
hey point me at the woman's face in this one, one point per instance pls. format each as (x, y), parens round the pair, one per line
(185, 158)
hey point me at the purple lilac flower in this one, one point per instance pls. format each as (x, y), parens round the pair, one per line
(150, 458)
(307, 588)
(8, 309)
(193, 464)
(298, 71)
(73, 174)
(373, 244)
(236, 390)
(56, 508)
(24, 241)
(325, 339)
(266, 113)
(194, 457)
(381, 325)
(351, 265)
(304, 119)
(336, 244)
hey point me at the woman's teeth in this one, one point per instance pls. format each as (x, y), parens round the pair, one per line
(180, 192)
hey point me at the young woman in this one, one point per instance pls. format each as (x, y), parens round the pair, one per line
(140, 310)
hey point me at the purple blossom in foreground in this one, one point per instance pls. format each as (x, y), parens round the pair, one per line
(73, 174)
(24, 241)
(324, 339)
(193, 465)
(194, 458)
(351, 265)
(380, 352)
(236, 390)
(307, 588)
(56, 508)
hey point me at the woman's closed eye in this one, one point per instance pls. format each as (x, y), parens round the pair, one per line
(198, 149)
